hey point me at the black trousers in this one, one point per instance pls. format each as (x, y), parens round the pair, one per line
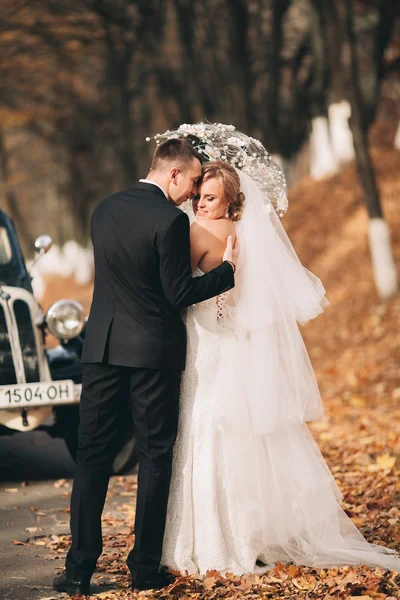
(153, 397)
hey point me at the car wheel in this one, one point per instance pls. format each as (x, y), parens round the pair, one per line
(125, 459)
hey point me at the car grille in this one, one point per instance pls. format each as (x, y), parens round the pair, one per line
(27, 341)
(7, 369)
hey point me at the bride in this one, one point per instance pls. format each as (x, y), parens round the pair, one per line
(249, 485)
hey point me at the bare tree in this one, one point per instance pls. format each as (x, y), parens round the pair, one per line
(287, 78)
(130, 30)
(11, 204)
(362, 114)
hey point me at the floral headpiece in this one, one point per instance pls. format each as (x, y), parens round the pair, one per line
(218, 141)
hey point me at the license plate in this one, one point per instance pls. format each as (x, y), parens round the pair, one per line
(37, 394)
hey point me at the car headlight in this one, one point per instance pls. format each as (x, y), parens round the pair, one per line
(65, 319)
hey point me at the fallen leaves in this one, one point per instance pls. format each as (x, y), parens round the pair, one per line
(209, 583)
(284, 581)
(385, 461)
(304, 584)
(33, 529)
(61, 483)
(357, 401)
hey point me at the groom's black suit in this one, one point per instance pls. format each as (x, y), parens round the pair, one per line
(134, 352)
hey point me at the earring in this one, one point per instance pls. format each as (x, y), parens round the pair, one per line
(227, 213)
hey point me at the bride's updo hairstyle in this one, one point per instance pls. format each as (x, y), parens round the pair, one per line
(231, 184)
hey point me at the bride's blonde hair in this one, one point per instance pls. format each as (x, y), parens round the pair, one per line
(231, 184)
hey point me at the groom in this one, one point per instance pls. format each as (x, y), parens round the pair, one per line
(134, 352)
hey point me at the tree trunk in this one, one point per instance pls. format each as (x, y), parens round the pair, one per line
(397, 137)
(119, 62)
(322, 158)
(365, 167)
(341, 136)
(383, 264)
(185, 17)
(80, 195)
(331, 88)
(381, 251)
(11, 205)
(242, 60)
(372, 80)
(272, 128)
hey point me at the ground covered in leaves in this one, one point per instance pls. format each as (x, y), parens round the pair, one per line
(355, 350)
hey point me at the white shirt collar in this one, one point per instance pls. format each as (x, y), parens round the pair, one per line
(154, 183)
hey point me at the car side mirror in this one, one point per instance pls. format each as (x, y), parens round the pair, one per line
(43, 244)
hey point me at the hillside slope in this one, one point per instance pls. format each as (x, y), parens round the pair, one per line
(355, 345)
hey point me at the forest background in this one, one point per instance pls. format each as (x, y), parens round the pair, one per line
(84, 83)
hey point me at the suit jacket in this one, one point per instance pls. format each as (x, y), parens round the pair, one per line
(142, 281)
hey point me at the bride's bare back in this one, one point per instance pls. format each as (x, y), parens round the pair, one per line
(208, 242)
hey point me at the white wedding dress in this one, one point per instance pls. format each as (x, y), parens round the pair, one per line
(249, 485)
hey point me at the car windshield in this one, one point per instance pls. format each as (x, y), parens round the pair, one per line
(5, 247)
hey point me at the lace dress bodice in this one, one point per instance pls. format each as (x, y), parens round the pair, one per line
(210, 313)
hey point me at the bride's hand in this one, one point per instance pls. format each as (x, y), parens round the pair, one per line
(231, 253)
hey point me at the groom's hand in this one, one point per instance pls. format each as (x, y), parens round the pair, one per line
(231, 253)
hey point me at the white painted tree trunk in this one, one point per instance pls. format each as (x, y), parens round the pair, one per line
(322, 158)
(341, 136)
(38, 283)
(284, 165)
(278, 159)
(80, 261)
(397, 138)
(383, 265)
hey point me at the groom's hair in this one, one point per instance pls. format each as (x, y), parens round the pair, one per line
(174, 153)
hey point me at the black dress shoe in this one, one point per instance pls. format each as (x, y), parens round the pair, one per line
(162, 579)
(73, 587)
